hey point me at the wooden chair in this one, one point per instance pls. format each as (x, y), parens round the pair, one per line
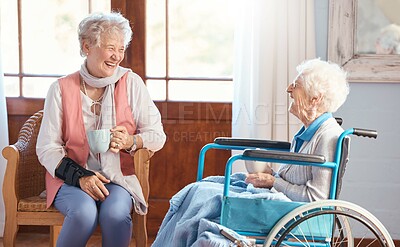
(24, 180)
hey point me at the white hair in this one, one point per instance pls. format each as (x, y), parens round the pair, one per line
(389, 39)
(95, 25)
(325, 79)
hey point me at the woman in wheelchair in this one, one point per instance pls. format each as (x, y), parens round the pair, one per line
(318, 90)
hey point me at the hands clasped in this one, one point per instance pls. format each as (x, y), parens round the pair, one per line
(120, 139)
(260, 179)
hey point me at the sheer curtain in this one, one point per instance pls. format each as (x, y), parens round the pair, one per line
(271, 38)
(3, 143)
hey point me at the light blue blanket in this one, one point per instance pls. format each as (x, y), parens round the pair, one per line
(194, 213)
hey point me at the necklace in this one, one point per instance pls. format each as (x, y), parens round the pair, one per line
(94, 102)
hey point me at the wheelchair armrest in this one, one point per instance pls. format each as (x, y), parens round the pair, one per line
(257, 143)
(285, 156)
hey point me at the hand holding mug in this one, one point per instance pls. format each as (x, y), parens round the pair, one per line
(120, 139)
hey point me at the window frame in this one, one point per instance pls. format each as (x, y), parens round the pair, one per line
(21, 74)
(135, 57)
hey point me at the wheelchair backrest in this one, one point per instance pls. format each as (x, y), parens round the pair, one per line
(344, 159)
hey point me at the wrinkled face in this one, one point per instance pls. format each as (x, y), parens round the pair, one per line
(104, 59)
(297, 94)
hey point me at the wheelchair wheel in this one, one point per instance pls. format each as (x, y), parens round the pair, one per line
(329, 223)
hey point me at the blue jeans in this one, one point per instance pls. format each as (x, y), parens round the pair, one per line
(82, 214)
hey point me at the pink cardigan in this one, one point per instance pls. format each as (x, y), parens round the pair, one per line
(73, 129)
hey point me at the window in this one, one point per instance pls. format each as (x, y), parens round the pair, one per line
(189, 46)
(189, 50)
(47, 33)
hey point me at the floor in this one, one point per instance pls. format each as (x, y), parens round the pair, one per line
(36, 239)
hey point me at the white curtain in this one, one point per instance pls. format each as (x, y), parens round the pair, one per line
(271, 38)
(3, 143)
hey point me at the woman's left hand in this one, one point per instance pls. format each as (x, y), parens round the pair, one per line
(120, 139)
(262, 180)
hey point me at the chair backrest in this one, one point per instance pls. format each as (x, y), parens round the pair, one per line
(30, 175)
(344, 159)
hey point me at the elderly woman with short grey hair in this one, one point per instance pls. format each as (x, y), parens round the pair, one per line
(91, 187)
(318, 90)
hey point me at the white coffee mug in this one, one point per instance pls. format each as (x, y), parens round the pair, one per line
(99, 140)
(257, 166)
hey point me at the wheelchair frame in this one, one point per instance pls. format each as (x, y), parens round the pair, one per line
(286, 226)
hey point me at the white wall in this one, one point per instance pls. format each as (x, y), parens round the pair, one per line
(372, 179)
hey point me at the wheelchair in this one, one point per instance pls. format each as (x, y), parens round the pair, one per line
(330, 222)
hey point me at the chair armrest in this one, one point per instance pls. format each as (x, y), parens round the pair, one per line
(257, 143)
(142, 166)
(11, 154)
(284, 156)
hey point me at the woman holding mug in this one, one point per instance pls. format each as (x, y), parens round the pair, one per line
(97, 188)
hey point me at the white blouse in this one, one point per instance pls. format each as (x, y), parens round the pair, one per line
(50, 147)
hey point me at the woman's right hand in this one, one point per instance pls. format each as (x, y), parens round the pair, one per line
(94, 186)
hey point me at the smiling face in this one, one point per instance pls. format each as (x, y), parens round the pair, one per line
(305, 107)
(297, 94)
(302, 105)
(102, 60)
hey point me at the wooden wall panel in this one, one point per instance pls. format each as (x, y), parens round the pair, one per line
(19, 110)
(175, 166)
(177, 161)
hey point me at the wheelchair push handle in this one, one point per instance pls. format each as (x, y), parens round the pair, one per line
(365, 133)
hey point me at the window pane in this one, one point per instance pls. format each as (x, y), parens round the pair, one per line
(208, 91)
(200, 38)
(49, 40)
(100, 5)
(9, 36)
(155, 39)
(157, 89)
(11, 86)
(36, 87)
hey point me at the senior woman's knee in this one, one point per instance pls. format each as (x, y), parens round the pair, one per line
(85, 214)
(115, 215)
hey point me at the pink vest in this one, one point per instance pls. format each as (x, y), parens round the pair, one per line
(73, 129)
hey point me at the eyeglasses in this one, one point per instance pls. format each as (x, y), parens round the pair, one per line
(296, 83)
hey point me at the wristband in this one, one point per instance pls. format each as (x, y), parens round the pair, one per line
(71, 172)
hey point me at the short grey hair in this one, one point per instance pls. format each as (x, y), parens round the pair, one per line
(95, 25)
(325, 79)
(389, 38)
